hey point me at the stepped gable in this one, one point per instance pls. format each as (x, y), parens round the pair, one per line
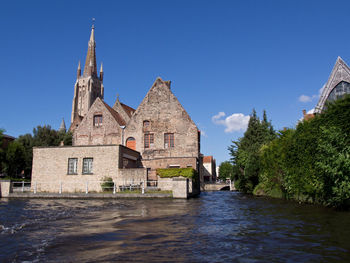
(161, 96)
(160, 113)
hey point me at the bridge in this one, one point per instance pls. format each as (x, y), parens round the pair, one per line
(228, 186)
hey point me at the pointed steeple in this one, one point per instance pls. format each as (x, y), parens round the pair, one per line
(62, 126)
(79, 70)
(91, 55)
(101, 72)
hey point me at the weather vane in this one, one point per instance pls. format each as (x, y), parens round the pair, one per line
(93, 22)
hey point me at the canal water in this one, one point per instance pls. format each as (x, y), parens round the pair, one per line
(216, 227)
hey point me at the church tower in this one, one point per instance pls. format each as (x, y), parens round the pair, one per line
(88, 86)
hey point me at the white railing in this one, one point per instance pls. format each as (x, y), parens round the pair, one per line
(21, 186)
(93, 186)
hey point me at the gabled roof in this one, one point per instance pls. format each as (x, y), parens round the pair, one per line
(340, 72)
(115, 115)
(127, 109)
(207, 159)
(8, 137)
(166, 84)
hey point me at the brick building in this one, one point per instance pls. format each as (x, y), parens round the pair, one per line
(159, 133)
(209, 164)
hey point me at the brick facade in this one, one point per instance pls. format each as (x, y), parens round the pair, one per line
(107, 132)
(160, 131)
(161, 113)
(50, 167)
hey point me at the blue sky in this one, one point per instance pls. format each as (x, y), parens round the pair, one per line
(224, 58)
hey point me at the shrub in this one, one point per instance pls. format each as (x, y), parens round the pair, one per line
(176, 172)
(107, 184)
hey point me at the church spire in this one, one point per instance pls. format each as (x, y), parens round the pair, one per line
(79, 70)
(62, 126)
(91, 56)
(101, 72)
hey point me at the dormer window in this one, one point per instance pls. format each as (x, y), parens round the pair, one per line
(98, 120)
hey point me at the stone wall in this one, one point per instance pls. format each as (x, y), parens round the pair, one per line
(136, 176)
(109, 132)
(180, 187)
(5, 188)
(179, 162)
(165, 184)
(50, 168)
(165, 114)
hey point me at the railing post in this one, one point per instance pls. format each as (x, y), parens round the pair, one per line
(87, 187)
(143, 187)
(60, 192)
(35, 188)
(114, 190)
(22, 186)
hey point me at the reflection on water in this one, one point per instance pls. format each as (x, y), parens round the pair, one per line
(217, 227)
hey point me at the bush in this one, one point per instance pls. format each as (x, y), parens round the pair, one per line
(176, 172)
(107, 184)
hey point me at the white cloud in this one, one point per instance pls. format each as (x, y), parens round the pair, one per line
(234, 122)
(304, 98)
(203, 133)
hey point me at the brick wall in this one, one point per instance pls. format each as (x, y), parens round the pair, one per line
(50, 167)
(89, 134)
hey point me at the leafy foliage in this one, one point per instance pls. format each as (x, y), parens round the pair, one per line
(107, 184)
(19, 154)
(245, 153)
(176, 172)
(225, 170)
(311, 162)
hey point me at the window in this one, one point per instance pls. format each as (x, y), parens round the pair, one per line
(87, 165)
(168, 140)
(145, 124)
(149, 140)
(97, 120)
(72, 165)
(339, 91)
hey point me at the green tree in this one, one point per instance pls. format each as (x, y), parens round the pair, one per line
(2, 151)
(245, 153)
(15, 159)
(27, 141)
(42, 136)
(225, 170)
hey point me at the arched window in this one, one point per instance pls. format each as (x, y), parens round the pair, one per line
(339, 91)
(131, 143)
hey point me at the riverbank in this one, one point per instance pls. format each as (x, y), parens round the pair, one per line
(91, 195)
